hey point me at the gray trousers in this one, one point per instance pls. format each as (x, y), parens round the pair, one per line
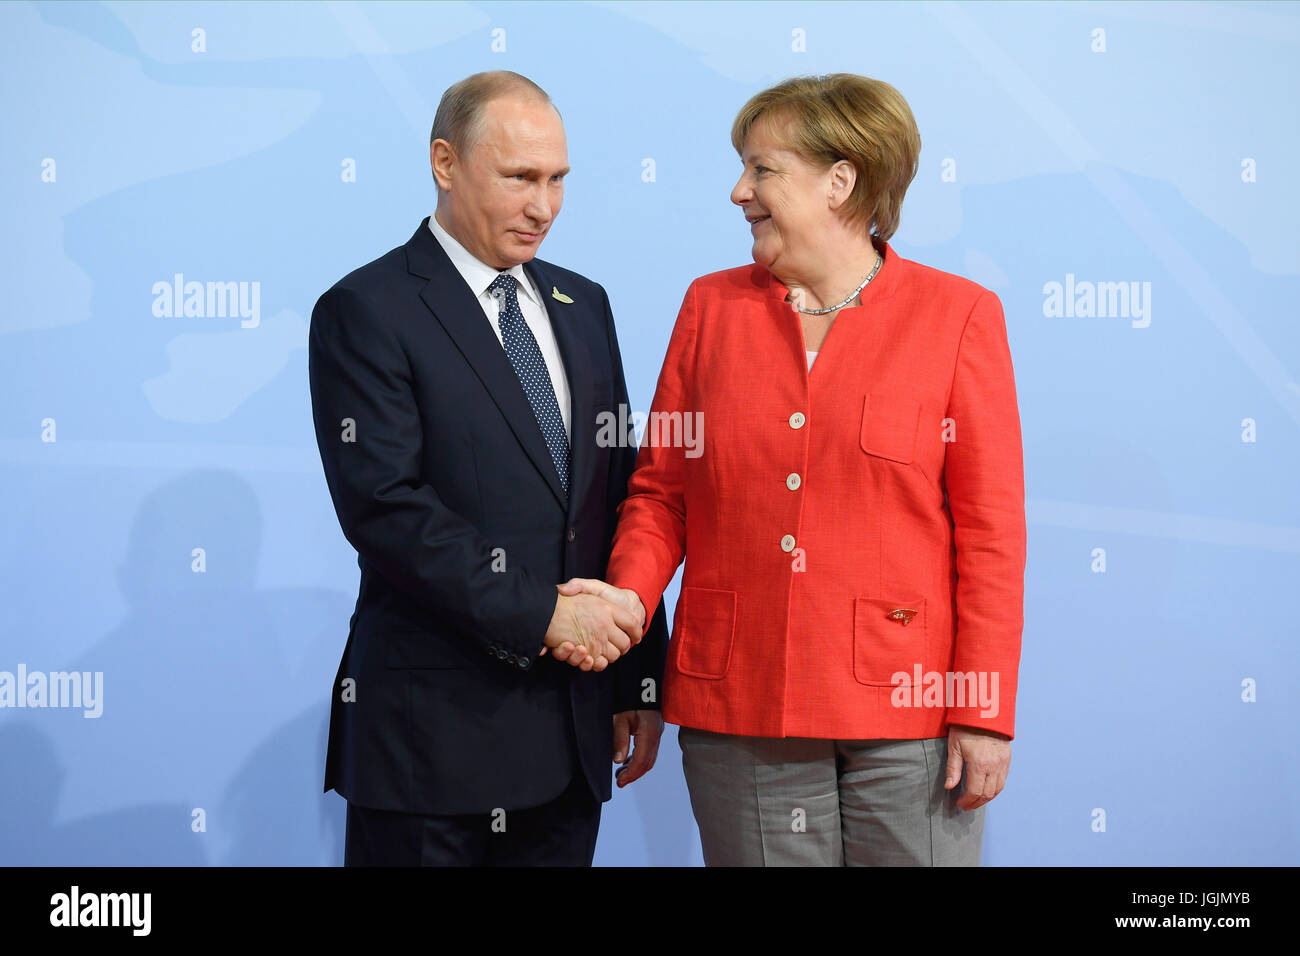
(797, 801)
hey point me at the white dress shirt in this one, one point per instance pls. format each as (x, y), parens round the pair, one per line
(478, 276)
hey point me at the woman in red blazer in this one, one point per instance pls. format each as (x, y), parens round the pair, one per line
(852, 522)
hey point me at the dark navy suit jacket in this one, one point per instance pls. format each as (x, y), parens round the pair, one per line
(442, 482)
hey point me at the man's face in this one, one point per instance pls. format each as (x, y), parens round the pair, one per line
(507, 190)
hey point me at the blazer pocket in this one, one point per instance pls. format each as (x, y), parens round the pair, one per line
(889, 424)
(889, 637)
(706, 626)
(412, 649)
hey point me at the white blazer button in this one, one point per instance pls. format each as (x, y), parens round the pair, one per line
(797, 420)
(792, 481)
(787, 543)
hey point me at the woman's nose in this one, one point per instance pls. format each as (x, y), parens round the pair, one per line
(741, 193)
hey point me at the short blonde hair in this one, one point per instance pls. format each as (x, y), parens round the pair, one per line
(843, 116)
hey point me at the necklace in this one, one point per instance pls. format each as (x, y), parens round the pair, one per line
(851, 296)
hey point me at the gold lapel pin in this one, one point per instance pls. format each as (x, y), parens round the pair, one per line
(557, 294)
(904, 614)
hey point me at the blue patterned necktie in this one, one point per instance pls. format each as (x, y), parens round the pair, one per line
(529, 365)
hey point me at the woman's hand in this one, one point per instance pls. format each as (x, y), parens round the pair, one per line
(987, 756)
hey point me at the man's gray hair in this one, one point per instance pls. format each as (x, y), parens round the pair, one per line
(459, 119)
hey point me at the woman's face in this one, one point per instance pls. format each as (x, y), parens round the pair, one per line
(785, 200)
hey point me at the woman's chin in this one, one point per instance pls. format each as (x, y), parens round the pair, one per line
(762, 255)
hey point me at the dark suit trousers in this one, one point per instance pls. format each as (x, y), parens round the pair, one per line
(561, 832)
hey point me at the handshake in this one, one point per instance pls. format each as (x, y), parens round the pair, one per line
(593, 623)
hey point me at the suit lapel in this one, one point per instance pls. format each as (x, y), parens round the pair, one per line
(454, 306)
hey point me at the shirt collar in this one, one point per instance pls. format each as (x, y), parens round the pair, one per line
(477, 274)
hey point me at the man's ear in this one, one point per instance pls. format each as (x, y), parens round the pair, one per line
(443, 159)
(842, 178)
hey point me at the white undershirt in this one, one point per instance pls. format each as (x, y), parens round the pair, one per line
(812, 357)
(478, 275)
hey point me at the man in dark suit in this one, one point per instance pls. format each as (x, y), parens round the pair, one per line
(456, 386)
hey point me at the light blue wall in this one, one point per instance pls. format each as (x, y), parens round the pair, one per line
(1122, 165)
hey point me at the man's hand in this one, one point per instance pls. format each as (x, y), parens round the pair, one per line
(646, 726)
(625, 597)
(590, 632)
(987, 756)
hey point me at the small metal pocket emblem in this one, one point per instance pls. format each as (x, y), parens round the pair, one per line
(904, 614)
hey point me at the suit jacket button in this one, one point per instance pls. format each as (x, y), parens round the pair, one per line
(787, 543)
(573, 533)
(501, 654)
(522, 662)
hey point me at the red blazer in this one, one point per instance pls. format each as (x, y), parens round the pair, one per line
(853, 534)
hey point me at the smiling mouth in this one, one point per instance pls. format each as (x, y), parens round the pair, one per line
(757, 219)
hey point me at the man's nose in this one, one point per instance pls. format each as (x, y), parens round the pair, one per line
(539, 205)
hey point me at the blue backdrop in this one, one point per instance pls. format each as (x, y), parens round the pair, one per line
(167, 525)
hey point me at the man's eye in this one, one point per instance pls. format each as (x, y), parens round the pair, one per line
(761, 169)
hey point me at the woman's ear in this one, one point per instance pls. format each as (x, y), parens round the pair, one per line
(843, 176)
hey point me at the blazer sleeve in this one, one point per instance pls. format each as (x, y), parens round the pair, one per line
(645, 662)
(650, 541)
(359, 371)
(984, 478)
